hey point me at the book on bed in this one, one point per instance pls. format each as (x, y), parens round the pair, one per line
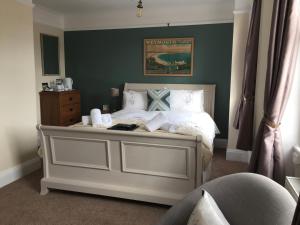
(125, 127)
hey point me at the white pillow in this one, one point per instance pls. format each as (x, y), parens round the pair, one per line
(187, 100)
(135, 100)
(207, 212)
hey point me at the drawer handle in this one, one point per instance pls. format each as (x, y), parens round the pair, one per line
(71, 120)
(70, 99)
(71, 109)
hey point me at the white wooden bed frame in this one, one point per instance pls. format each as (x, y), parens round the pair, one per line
(152, 167)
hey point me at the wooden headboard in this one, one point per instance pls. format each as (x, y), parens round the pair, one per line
(209, 91)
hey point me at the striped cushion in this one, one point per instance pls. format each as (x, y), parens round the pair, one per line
(158, 100)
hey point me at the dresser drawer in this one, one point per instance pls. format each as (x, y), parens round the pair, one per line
(69, 110)
(60, 108)
(66, 120)
(69, 98)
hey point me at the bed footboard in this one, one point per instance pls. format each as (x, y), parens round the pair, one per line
(158, 168)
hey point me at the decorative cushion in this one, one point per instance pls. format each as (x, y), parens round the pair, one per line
(207, 212)
(187, 100)
(158, 100)
(135, 100)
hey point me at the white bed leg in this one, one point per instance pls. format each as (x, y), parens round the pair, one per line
(207, 173)
(44, 189)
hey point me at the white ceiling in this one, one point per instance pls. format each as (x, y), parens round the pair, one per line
(111, 14)
(93, 6)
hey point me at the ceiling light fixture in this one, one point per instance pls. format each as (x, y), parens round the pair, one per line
(139, 8)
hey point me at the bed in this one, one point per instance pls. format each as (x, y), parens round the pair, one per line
(155, 167)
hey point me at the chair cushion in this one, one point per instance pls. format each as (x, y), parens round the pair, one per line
(207, 212)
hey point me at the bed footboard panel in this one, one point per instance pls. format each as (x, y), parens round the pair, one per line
(160, 170)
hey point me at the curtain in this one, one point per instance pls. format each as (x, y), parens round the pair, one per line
(245, 112)
(296, 220)
(267, 156)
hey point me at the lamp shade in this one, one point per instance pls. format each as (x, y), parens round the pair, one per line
(114, 92)
(139, 9)
(139, 12)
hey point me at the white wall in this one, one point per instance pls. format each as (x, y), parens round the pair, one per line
(40, 78)
(243, 5)
(18, 136)
(240, 34)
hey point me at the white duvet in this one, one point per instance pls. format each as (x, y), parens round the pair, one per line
(188, 123)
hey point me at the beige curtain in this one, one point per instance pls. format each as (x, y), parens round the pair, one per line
(244, 115)
(267, 157)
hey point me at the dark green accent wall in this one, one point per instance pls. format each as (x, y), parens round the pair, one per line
(100, 59)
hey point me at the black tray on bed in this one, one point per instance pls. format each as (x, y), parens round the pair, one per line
(124, 127)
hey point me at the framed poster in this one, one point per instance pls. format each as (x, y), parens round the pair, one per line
(168, 56)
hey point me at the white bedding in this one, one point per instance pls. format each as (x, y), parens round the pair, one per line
(188, 123)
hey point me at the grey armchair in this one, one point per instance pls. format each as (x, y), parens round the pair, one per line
(244, 199)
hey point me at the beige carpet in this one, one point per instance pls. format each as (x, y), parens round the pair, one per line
(21, 204)
(221, 167)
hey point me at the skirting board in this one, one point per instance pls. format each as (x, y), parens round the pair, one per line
(238, 155)
(220, 143)
(12, 174)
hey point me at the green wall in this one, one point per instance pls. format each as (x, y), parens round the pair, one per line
(100, 59)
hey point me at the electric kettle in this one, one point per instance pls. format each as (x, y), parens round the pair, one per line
(68, 83)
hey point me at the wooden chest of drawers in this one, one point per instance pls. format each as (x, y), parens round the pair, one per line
(60, 108)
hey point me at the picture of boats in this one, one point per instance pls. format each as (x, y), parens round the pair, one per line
(168, 56)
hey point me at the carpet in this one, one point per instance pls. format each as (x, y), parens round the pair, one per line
(21, 203)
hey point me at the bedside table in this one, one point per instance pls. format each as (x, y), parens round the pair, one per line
(292, 184)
